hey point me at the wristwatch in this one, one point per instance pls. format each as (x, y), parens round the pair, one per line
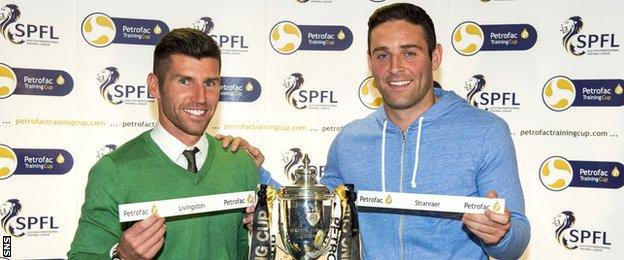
(113, 253)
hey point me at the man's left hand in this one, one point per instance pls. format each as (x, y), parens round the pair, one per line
(236, 143)
(491, 227)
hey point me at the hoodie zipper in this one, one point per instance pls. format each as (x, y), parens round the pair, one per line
(401, 220)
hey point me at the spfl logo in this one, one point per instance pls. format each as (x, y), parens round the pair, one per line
(293, 160)
(14, 224)
(300, 98)
(579, 44)
(117, 94)
(229, 44)
(239, 89)
(492, 101)
(109, 148)
(557, 173)
(40, 82)
(287, 37)
(33, 161)
(100, 30)
(369, 95)
(560, 93)
(19, 33)
(573, 238)
(469, 37)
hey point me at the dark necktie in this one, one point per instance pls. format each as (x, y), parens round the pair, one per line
(190, 158)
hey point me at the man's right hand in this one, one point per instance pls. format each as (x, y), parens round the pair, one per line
(143, 240)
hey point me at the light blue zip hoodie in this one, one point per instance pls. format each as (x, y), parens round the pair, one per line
(453, 149)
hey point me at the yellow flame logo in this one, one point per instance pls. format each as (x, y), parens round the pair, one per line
(388, 200)
(157, 29)
(249, 87)
(496, 206)
(60, 80)
(60, 158)
(341, 35)
(250, 199)
(615, 172)
(524, 34)
(154, 209)
(619, 90)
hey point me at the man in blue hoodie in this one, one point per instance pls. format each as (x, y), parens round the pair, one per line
(430, 141)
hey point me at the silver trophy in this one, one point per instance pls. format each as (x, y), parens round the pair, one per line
(305, 215)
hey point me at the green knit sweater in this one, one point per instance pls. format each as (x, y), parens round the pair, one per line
(139, 171)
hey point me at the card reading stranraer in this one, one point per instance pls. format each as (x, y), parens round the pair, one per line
(428, 202)
(186, 206)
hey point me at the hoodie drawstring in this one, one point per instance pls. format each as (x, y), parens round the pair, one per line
(417, 152)
(383, 154)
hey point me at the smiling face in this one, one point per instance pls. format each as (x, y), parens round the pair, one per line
(401, 65)
(188, 97)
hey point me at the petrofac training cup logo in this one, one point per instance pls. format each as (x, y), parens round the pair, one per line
(100, 30)
(40, 82)
(368, 93)
(560, 93)
(116, 94)
(228, 43)
(19, 33)
(8, 162)
(299, 98)
(287, 37)
(239, 89)
(557, 173)
(579, 44)
(572, 238)
(8, 81)
(468, 38)
(493, 101)
(16, 224)
(19, 161)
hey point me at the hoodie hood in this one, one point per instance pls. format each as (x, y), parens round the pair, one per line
(447, 100)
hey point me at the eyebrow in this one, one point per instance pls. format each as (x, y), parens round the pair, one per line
(189, 77)
(403, 47)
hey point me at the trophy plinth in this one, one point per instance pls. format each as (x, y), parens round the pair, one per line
(305, 214)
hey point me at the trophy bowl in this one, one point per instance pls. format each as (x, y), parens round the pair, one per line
(305, 215)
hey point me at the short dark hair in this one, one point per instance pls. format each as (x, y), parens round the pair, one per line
(186, 41)
(407, 12)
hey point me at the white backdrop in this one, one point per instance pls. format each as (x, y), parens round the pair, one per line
(55, 56)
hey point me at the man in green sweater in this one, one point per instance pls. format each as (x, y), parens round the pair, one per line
(176, 159)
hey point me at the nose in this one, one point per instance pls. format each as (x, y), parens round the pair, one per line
(396, 65)
(199, 94)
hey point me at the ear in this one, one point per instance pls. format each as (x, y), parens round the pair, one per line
(436, 57)
(152, 85)
(368, 54)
